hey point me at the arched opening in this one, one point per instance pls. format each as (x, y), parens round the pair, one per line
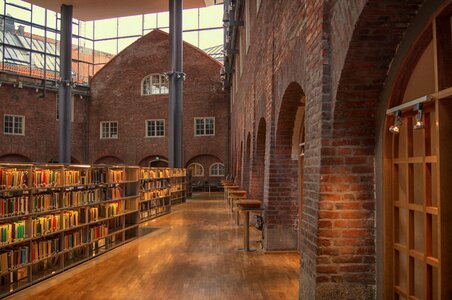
(155, 161)
(109, 160)
(258, 169)
(283, 196)
(17, 158)
(354, 169)
(54, 160)
(247, 164)
(417, 168)
(204, 161)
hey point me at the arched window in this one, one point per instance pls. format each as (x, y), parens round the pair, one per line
(217, 169)
(154, 84)
(197, 170)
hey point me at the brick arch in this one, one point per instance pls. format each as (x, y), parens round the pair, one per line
(55, 160)
(282, 199)
(258, 169)
(247, 164)
(109, 160)
(162, 161)
(14, 157)
(238, 169)
(346, 217)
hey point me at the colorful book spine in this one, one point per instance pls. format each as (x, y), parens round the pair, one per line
(45, 202)
(45, 225)
(73, 239)
(98, 232)
(110, 209)
(116, 193)
(13, 206)
(116, 175)
(46, 178)
(13, 178)
(44, 248)
(78, 198)
(88, 215)
(72, 177)
(70, 219)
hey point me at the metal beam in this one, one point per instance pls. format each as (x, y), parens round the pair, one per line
(65, 106)
(176, 77)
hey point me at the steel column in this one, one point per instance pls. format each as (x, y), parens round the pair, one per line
(176, 77)
(65, 91)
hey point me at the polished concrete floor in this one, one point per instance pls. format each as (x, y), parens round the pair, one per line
(191, 254)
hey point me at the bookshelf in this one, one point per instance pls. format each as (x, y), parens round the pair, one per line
(178, 187)
(155, 197)
(53, 217)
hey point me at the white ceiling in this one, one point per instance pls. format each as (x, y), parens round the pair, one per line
(102, 9)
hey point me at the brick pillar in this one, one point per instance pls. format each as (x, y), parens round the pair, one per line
(247, 164)
(258, 164)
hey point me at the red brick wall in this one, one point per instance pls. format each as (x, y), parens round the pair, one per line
(116, 96)
(40, 142)
(339, 53)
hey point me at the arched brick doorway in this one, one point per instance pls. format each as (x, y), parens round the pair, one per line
(155, 161)
(109, 160)
(352, 155)
(282, 201)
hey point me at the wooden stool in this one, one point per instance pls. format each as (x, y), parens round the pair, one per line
(247, 206)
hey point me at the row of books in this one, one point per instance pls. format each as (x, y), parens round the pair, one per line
(98, 232)
(72, 239)
(12, 178)
(89, 215)
(151, 185)
(13, 259)
(98, 176)
(70, 219)
(44, 248)
(72, 177)
(10, 233)
(46, 178)
(149, 195)
(13, 206)
(77, 198)
(111, 209)
(155, 173)
(152, 212)
(45, 224)
(45, 202)
(116, 175)
(115, 193)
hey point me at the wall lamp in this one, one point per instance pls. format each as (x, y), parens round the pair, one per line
(416, 104)
(395, 128)
(419, 124)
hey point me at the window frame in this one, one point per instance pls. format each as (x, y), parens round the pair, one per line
(201, 167)
(146, 128)
(212, 166)
(13, 124)
(204, 127)
(162, 80)
(109, 129)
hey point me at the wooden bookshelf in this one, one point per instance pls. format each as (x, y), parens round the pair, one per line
(178, 184)
(155, 197)
(54, 216)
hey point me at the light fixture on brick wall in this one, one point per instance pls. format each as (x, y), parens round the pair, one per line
(395, 128)
(419, 124)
